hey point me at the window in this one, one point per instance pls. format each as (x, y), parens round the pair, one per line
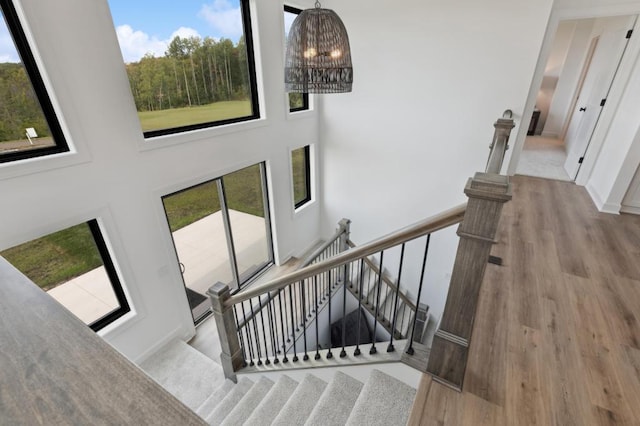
(28, 124)
(75, 268)
(301, 168)
(190, 63)
(221, 232)
(297, 101)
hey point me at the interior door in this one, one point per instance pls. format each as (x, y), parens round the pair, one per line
(607, 55)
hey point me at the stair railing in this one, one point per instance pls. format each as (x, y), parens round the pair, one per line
(281, 306)
(292, 298)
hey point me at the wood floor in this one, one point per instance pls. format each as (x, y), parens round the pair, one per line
(557, 335)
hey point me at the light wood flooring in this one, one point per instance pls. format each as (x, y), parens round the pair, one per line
(557, 335)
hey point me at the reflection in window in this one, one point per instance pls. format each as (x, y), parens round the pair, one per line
(301, 167)
(297, 101)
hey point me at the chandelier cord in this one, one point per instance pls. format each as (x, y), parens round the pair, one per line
(317, 4)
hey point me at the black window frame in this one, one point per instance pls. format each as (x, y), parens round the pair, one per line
(253, 85)
(307, 175)
(305, 96)
(24, 51)
(116, 285)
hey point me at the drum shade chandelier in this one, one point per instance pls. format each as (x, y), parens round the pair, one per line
(318, 56)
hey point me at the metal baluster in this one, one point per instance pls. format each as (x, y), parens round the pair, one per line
(264, 333)
(329, 354)
(343, 353)
(391, 348)
(357, 351)
(284, 345)
(274, 346)
(369, 270)
(410, 350)
(256, 332)
(286, 323)
(246, 331)
(304, 316)
(373, 349)
(295, 353)
(315, 286)
(239, 332)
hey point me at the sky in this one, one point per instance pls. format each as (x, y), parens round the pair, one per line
(145, 26)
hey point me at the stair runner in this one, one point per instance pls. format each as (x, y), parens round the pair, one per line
(199, 383)
(382, 400)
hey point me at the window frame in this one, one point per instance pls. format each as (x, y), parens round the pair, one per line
(305, 96)
(35, 78)
(112, 273)
(253, 85)
(307, 175)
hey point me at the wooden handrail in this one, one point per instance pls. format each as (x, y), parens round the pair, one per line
(500, 143)
(388, 281)
(418, 229)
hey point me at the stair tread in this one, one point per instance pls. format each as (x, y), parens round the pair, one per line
(382, 401)
(273, 402)
(214, 399)
(336, 402)
(301, 403)
(248, 403)
(202, 374)
(218, 415)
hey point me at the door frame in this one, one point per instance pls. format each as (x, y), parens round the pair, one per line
(615, 94)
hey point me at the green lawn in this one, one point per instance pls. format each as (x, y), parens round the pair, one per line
(59, 257)
(176, 117)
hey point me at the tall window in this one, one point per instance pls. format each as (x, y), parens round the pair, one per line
(221, 232)
(190, 63)
(75, 268)
(301, 168)
(28, 123)
(297, 101)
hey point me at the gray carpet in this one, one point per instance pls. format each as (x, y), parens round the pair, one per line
(383, 401)
(249, 402)
(229, 402)
(214, 399)
(270, 406)
(299, 406)
(543, 157)
(337, 401)
(186, 373)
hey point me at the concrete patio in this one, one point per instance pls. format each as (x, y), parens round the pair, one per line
(201, 248)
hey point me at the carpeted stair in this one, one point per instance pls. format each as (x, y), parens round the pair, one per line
(382, 400)
(199, 383)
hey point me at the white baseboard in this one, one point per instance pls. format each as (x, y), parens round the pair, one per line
(603, 207)
(630, 209)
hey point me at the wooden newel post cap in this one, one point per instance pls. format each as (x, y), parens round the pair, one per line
(218, 293)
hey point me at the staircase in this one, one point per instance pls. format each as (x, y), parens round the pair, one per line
(199, 383)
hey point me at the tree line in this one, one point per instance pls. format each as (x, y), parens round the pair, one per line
(192, 72)
(19, 106)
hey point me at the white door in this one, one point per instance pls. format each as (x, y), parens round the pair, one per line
(606, 58)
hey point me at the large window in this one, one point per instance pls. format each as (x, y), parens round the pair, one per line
(28, 123)
(301, 176)
(75, 268)
(190, 63)
(221, 233)
(297, 101)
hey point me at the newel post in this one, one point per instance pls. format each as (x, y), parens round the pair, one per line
(487, 194)
(344, 226)
(231, 356)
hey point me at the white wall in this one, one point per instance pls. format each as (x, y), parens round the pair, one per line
(119, 177)
(430, 79)
(552, 118)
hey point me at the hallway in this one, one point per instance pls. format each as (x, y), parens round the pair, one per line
(557, 333)
(543, 157)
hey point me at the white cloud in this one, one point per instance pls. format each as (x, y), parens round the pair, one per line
(135, 44)
(225, 19)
